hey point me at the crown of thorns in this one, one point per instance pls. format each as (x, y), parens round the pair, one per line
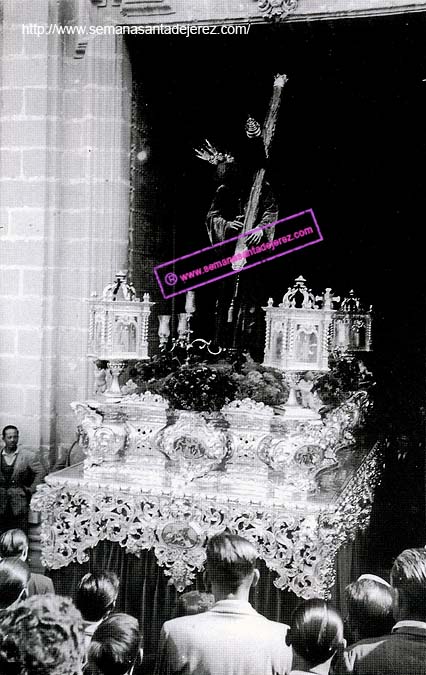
(210, 154)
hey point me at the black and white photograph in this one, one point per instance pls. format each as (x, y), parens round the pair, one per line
(212, 337)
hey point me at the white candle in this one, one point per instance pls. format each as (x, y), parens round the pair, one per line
(164, 328)
(190, 302)
(182, 325)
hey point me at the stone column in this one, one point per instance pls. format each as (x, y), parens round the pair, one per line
(29, 187)
(93, 226)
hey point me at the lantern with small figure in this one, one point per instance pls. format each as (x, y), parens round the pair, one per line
(118, 328)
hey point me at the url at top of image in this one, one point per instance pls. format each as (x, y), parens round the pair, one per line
(159, 29)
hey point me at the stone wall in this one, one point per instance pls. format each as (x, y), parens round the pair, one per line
(64, 184)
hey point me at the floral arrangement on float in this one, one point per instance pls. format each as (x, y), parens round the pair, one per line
(347, 375)
(262, 384)
(208, 385)
(211, 415)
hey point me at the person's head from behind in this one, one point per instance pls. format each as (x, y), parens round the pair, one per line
(115, 647)
(193, 602)
(231, 566)
(14, 578)
(96, 595)
(14, 544)
(42, 635)
(315, 634)
(408, 578)
(369, 601)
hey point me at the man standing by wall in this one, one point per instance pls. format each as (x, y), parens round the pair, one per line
(20, 473)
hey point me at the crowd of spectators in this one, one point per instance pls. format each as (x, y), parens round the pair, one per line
(217, 633)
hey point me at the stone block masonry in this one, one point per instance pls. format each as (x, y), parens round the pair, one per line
(64, 192)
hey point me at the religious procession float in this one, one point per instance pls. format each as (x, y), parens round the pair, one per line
(197, 439)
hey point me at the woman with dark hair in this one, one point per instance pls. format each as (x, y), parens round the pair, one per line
(116, 646)
(315, 635)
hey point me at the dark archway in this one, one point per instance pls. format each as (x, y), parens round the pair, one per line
(349, 142)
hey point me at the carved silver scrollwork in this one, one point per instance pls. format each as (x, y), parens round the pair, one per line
(193, 445)
(277, 9)
(215, 472)
(300, 547)
(249, 422)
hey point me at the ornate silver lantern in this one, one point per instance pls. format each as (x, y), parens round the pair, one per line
(297, 331)
(297, 342)
(351, 328)
(118, 328)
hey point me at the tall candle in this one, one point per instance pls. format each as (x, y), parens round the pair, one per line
(164, 328)
(190, 302)
(182, 325)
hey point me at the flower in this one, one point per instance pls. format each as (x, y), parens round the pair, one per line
(208, 387)
(199, 388)
(262, 384)
(346, 376)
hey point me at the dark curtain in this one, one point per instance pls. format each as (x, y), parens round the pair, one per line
(351, 562)
(146, 594)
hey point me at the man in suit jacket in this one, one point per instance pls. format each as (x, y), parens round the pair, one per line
(403, 652)
(20, 473)
(231, 637)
